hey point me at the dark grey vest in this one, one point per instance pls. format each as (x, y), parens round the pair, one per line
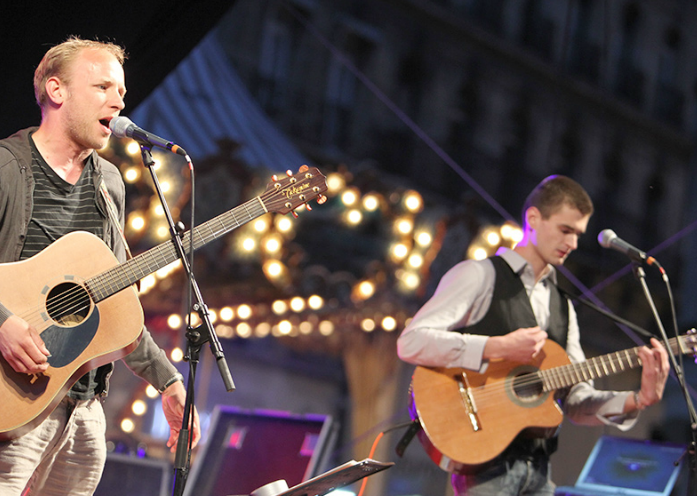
(510, 309)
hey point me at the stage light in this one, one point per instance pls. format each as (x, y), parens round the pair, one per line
(261, 225)
(227, 314)
(364, 290)
(279, 307)
(132, 175)
(177, 355)
(315, 302)
(285, 327)
(479, 253)
(284, 224)
(262, 329)
(174, 321)
(133, 149)
(416, 261)
(244, 311)
(354, 217)
(137, 222)
(399, 251)
(272, 244)
(368, 325)
(326, 328)
(423, 239)
(335, 182)
(249, 244)
(389, 323)
(139, 407)
(305, 327)
(297, 304)
(349, 197)
(243, 330)
(127, 425)
(371, 202)
(151, 392)
(404, 225)
(493, 238)
(413, 201)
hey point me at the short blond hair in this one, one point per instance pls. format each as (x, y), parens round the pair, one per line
(58, 59)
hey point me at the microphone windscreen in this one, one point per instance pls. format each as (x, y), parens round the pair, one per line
(605, 237)
(119, 126)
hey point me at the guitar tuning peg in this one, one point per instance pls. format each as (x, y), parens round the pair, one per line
(321, 199)
(274, 178)
(294, 213)
(308, 206)
(303, 168)
(289, 173)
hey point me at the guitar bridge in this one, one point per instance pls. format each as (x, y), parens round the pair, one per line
(468, 400)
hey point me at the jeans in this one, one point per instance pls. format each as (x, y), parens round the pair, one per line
(62, 456)
(525, 476)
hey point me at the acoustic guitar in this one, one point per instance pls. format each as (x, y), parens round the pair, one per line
(468, 418)
(83, 303)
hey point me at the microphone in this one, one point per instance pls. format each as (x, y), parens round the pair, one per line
(608, 239)
(123, 127)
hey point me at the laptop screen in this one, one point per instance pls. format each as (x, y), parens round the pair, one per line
(632, 467)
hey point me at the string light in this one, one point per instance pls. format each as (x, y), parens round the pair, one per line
(139, 407)
(127, 425)
(244, 311)
(227, 314)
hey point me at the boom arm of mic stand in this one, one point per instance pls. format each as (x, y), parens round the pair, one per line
(607, 314)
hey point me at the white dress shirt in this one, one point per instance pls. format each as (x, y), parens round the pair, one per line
(463, 297)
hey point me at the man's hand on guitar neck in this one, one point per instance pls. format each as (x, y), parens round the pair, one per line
(521, 345)
(654, 373)
(22, 347)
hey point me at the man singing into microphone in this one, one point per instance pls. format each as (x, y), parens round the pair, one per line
(505, 307)
(52, 182)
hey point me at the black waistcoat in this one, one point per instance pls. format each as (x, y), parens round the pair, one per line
(510, 309)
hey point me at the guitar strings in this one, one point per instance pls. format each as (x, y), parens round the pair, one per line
(80, 297)
(565, 375)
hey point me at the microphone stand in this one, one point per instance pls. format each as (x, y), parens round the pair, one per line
(691, 450)
(195, 337)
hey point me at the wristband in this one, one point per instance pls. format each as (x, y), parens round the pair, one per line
(637, 402)
(176, 377)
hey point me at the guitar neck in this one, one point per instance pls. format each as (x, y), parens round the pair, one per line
(126, 274)
(597, 367)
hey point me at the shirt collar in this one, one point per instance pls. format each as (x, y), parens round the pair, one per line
(521, 266)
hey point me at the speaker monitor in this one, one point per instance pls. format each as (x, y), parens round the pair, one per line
(245, 450)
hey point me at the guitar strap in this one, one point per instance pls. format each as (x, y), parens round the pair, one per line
(113, 215)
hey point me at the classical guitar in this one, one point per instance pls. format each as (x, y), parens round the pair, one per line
(83, 303)
(468, 418)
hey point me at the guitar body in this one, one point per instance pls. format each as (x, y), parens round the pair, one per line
(506, 405)
(82, 302)
(80, 336)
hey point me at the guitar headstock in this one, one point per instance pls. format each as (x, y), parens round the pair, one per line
(687, 344)
(288, 193)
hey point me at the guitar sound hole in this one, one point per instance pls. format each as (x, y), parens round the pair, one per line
(68, 303)
(527, 387)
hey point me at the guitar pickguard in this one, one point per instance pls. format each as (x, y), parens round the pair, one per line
(67, 343)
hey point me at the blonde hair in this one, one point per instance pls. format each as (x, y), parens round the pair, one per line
(57, 60)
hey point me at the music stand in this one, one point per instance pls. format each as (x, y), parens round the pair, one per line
(341, 476)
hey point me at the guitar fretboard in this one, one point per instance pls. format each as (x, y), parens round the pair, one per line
(124, 275)
(594, 368)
